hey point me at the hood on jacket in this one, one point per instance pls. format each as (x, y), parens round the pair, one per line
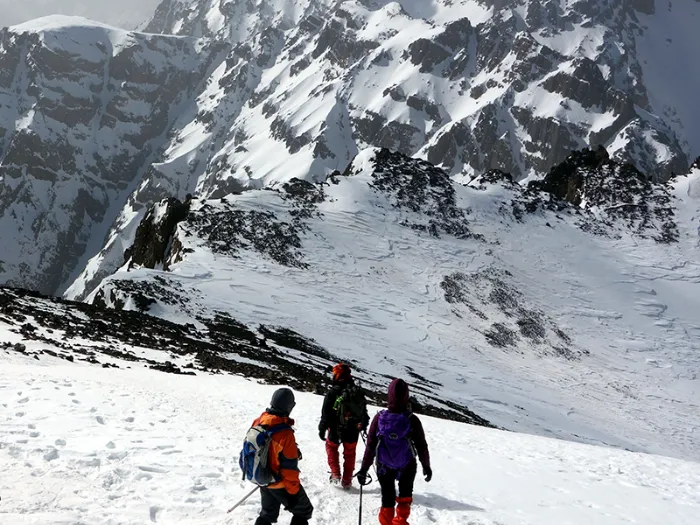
(398, 396)
(270, 420)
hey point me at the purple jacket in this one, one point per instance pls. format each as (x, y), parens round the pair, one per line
(398, 403)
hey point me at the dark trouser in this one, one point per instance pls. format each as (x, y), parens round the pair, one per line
(347, 435)
(387, 481)
(298, 504)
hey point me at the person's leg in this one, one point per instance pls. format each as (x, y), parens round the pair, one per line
(270, 507)
(387, 482)
(406, 482)
(349, 453)
(300, 506)
(333, 453)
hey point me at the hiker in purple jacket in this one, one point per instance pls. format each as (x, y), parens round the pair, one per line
(395, 438)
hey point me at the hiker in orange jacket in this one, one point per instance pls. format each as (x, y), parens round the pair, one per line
(283, 458)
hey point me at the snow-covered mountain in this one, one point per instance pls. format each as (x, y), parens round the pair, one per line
(79, 444)
(254, 93)
(84, 110)
(566, 307)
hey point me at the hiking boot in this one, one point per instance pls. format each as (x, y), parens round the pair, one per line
(386, 515)
(334, 480)
(346, 486)
(403, 511)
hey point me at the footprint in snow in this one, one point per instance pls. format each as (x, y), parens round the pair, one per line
(100, 420)
(60, 442)
(154, 511)
(157, 470)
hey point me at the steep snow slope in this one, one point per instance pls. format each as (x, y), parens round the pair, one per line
(84, 108)
(538, 315)
(79, 444)
(127, 14)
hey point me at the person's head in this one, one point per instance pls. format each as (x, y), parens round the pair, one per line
(341, 373)
(398, 396)
(282, 402)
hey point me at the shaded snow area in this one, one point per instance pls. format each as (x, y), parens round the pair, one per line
(80, 444)
(127, 14)
(537, 315)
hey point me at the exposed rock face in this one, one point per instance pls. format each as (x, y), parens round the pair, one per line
(617, 194)
(154, 236)
(515, 326)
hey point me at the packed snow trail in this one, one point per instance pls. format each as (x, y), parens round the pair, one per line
(86, 445)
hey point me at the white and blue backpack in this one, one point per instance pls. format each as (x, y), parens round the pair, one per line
(254, 458)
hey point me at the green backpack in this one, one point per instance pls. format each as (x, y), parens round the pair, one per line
(350, 407)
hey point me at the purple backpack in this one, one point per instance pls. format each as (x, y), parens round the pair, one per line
(395, 449)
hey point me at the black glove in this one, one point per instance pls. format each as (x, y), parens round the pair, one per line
(322, 433)
(299, 455)
(428, 473)
(361, 477)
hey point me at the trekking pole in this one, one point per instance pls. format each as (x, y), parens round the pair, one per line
(242, 500)
(360, 515)
(367, 482)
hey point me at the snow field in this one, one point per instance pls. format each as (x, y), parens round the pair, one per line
(84, 445)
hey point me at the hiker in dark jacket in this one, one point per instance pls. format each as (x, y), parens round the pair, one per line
(395, 437)
(336, 428)
(283, 460)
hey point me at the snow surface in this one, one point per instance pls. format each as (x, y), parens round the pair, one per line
(80, 444)
(372, 294)
(127, 14)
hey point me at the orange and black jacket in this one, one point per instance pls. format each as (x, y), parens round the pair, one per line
(284, 454)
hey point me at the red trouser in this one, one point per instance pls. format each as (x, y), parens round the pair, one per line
(333, 453)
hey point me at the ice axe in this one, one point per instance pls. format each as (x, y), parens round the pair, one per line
(242, 500)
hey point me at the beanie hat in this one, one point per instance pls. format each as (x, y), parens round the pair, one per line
(341, 372)
(282, 402)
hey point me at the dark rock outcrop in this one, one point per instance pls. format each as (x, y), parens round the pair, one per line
(154, 236)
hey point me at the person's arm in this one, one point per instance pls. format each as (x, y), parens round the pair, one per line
(327, 414)
(418, 438)
(371, 445)
(288, 458)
